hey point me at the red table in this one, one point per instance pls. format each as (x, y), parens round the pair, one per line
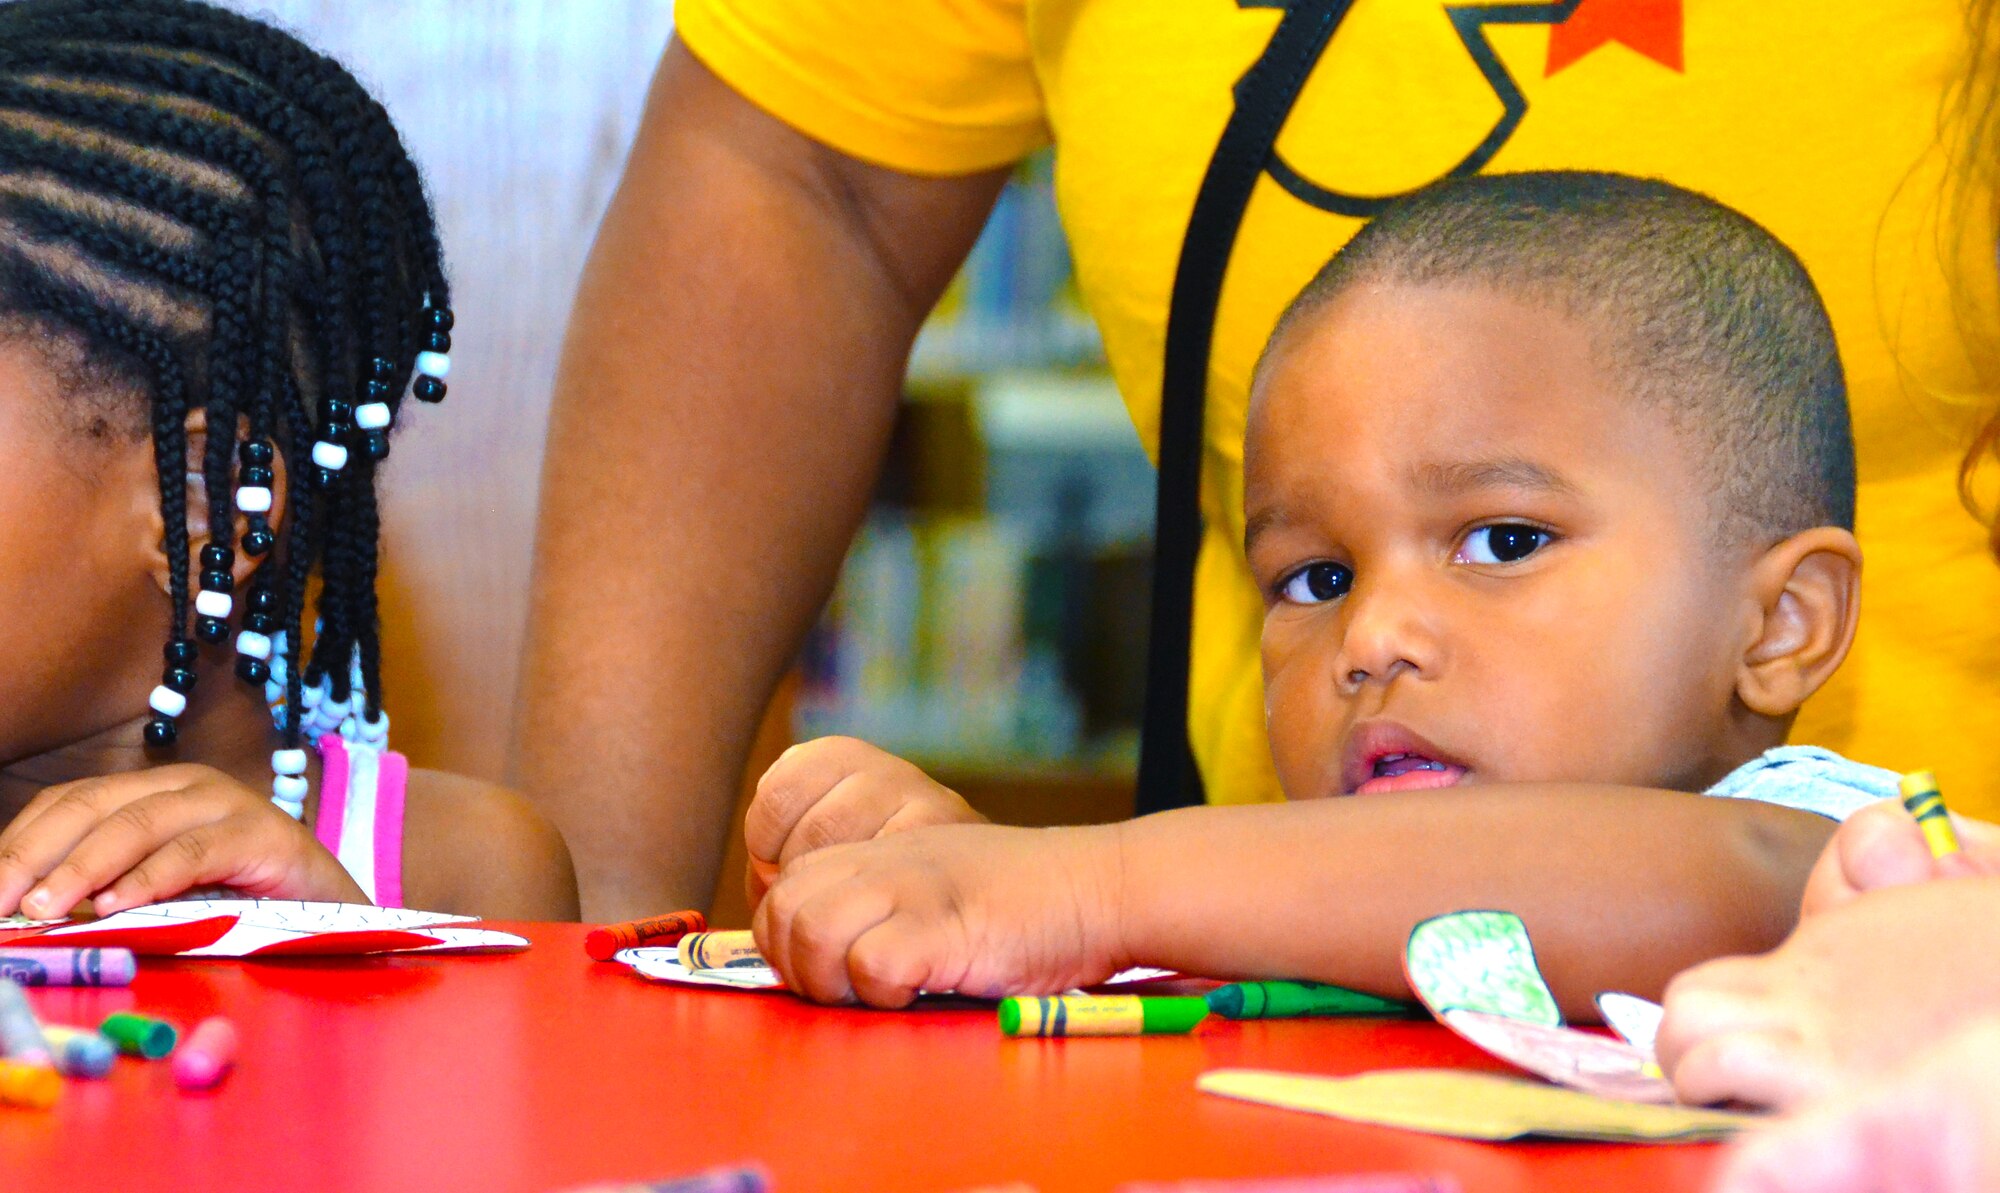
(544, 1070)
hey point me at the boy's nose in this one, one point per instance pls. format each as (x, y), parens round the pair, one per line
(1387, 635)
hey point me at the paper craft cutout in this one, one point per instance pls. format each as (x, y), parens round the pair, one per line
(270, 928)
(1580, 1060)
(1479, 961)
(1468, 1105)
(1636, 1020)
(664, 965)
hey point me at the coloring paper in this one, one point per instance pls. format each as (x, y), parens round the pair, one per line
(1636, 1020)
(1578, 1059)
(664, 965)
(1479, 961)
(1468, 1105)
(270, 928)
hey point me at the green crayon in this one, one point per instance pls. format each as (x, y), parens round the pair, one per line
(1100, 1015)
(1302, 1000)
(137, 1035)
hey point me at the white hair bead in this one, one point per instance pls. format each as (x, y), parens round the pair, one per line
(254, 644)
(311, 694)
(253, 499)
(210, 603)
(294, 808)
(167, 702)
(330, 456)
(434, 364)
(374, 732)
(289, 788)
(288, 762)
(371, 416)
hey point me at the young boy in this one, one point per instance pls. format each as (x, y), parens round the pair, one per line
(1549, 488)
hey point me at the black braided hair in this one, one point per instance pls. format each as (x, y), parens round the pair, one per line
(229, 223)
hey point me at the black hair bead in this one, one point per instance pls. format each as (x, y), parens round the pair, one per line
(251, 670)
(440, 318)
(263, 600)
(325, 477)
(438, 341)
(255, 452)
(429, 389)
(212, 630)
(379, 391)
(376, 445)
(382, 368)
(216, 557)
(180, 679)
(160, 732)
(182, 653)
(256, 474)
(262, 623)
(258, 542)
(338, 410)
(215, 580)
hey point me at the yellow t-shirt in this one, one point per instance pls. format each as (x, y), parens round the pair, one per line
(1818, 118)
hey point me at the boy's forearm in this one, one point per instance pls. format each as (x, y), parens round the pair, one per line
(1621, 889)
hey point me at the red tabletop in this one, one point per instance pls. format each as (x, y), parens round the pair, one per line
(544, 1070)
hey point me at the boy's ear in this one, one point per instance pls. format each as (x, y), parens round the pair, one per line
(195, 489)
(1809, 590)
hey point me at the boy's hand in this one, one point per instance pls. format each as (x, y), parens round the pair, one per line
(834, 791)
(1881, 846)
(1853, 993)
(976, 909)
(129, 839)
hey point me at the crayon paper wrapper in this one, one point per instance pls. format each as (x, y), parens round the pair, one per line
(664, 965)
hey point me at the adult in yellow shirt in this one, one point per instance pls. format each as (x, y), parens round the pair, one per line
(810, 173)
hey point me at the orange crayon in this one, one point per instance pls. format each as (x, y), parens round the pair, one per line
(34, 1086)
(661, 930)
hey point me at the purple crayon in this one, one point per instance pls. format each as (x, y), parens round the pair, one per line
(719, 1180)
(68, 967)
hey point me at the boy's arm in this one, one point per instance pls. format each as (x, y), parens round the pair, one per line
(474, 848)
(1621, 889)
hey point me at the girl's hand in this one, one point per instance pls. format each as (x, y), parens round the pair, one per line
(976, 909)
(834, 791)
(1881, 846)
(130, 839)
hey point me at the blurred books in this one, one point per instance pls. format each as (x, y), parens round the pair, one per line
(991, 615)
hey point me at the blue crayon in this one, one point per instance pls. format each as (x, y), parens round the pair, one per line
(21, 1037)
(717, 1180)
(80, 1053)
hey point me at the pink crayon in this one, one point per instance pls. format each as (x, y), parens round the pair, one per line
(208, 1055)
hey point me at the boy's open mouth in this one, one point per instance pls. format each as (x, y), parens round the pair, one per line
(1409, 772)
(1381, 755)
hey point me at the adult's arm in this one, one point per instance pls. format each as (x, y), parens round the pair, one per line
(727, 388)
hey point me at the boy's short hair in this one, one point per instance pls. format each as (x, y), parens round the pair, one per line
(1694, 305)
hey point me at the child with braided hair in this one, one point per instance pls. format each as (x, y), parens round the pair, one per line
(219, 278)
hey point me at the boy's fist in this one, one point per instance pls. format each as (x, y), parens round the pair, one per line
(834, 791)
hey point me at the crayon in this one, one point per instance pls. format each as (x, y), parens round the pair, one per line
(718, 1180)
(1925, 802)
(1101, 1015)
(137, 1035)
(653, 932)
(80, 1053)
(1380, 1182)
(69, 967)
(1302, 1000)
(720, 950)
(208, 1056)
(33, 1086)
(21, 1037)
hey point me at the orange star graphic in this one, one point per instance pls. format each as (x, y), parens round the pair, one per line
(1648, 27)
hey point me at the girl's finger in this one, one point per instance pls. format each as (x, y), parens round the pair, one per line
(119, 841)
(238, 851)
(56, 822)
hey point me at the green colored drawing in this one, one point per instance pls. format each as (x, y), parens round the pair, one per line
(1479, 961)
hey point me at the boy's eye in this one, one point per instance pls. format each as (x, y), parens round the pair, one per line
(1508, 542)
(1316, 583)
